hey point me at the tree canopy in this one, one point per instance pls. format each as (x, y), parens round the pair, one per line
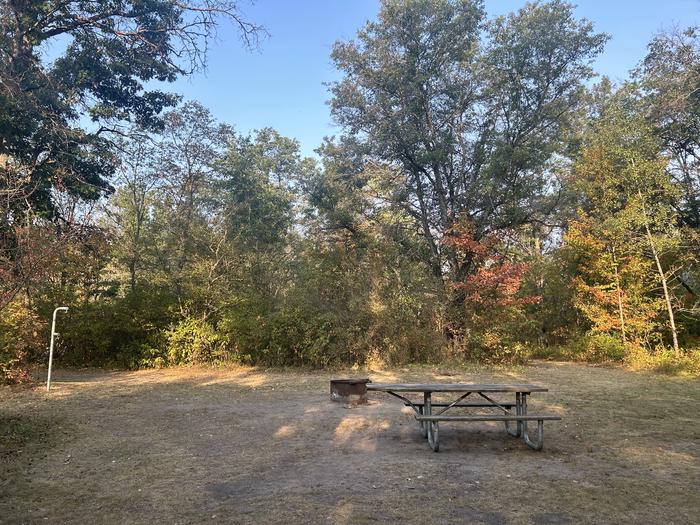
(470, 113)
(108, 52)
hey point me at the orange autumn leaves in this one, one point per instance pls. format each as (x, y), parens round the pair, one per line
(611, 285)
(494, 280)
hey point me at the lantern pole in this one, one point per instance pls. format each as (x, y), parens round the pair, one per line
(53, 335)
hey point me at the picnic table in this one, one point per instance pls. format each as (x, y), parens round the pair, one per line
(506, 411)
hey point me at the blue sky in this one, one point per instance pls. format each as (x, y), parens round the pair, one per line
(282, 84)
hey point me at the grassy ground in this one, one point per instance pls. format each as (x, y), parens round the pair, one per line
(245, 445)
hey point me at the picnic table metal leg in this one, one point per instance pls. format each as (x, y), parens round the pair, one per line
(431, 426)
(523, 412)
(433, 433)
(518, 426)
(519, 411)
(423, 427)
(537, 444)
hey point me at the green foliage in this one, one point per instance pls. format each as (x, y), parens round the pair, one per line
(593, 347)
(283, 337)
(627, 232)
(669, 78)
(108, 52)
(338, 310)
(597, 347)
(193, 341)
(296, 338)
(464, 110)
(481, 204)
(122, 332)
(554, 319)
(22, 334)
(666, 361)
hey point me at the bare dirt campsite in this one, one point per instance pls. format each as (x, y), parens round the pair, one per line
(245, 445)
(217, 217)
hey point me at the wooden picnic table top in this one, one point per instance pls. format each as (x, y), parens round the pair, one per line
(453, 387)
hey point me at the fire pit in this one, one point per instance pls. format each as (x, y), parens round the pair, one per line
(349, 390)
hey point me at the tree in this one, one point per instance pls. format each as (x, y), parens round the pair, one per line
(259, 178)
(113, 49)
(471, 127)
(611, 283)
(494, 287)
(128, 212)
(627, 198)
(186, 228)
(670, 80)
(363, 273)
(71, 72)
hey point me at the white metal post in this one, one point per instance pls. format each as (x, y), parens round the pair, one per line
(53, 334)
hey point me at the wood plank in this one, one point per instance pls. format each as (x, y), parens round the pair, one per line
(452, 387)
(487, 417)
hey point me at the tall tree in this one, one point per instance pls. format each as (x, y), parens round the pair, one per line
(627, 192)
(259, 178)
(185, 222)
(71, 72)
(128, 212)
(471, 125)
(109, 51)
(612, 281)
(670, 80)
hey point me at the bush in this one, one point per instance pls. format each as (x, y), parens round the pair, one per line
(193, 341)
(125, 332)
(600, 347)
(490, 348)
(593, 347)
(21, 338)
(286, 337)
(303, 340)
(665, 361)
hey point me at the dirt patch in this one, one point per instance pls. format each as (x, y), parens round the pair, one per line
(21, 430)
(246, 445)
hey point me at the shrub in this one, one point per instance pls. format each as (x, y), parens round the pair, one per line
(593, 347)
(125, 332)
(599, 347)
(489, 347)
(192, 341)
(288, 336)
(21, 338)
(665, 361)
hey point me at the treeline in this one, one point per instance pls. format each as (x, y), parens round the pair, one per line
(486, 200)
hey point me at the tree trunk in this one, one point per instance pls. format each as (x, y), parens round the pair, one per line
(620, 310)
(667, 296)
(132, 274)
(664, 281)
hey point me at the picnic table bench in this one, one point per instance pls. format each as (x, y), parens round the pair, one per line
(429, 419)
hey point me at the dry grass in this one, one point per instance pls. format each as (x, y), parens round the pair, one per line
(246, 445)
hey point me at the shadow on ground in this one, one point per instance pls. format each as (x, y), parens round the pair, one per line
(245, 445)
